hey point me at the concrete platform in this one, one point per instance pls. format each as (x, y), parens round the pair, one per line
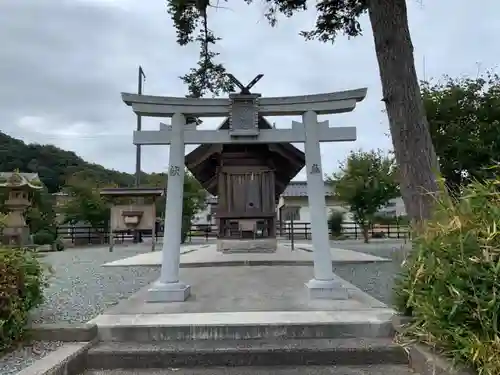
(208, 256)
(236, 289)
(246, 303)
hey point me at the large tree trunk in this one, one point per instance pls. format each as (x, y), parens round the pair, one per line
(407, 119)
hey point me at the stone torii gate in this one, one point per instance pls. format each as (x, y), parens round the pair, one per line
(243, 110)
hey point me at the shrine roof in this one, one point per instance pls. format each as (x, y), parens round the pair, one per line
(292, 160)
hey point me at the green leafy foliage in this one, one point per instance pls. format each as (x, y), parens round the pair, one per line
(464, 117)
(22, 281)
(53, 164)
(64, 171)
(392, 40)
(191, 22)
(85, 203)
(194, 201)
(366, 182)
(41, 214)
(44, 237)
(335, 221)
(450, 282)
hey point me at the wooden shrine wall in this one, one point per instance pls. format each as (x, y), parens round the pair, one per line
(248, 193)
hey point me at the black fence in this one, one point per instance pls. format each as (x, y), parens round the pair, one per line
(83, 235)
(302, 230)
(296, 230)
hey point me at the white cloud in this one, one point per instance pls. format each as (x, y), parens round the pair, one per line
(65, 63)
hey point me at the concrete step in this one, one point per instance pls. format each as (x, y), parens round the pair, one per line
(246, 325)
(202, 353)
(309, 370)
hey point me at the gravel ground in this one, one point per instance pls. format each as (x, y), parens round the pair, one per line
(25, 356)
(80, 290)
(376, 279)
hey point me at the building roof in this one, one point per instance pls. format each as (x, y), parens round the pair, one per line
(287, 158)
(299, 189)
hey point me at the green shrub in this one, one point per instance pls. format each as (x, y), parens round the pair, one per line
(43, 237)
(186, 227)
(450, 282)
(335, 221)
(22, 281)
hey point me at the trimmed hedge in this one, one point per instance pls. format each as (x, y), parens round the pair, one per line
(44, 237)
(450, 283)
(22, 281)
(335, 221)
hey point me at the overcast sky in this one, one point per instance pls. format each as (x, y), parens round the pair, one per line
(63, 64)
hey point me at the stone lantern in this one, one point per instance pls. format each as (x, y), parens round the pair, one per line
(18, 187)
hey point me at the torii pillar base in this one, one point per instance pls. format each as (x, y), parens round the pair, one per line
(168, 292)
(326, 289)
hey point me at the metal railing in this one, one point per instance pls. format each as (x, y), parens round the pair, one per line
(288, 230)
(302, 230)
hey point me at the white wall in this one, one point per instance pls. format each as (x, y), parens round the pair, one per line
(201, 217)
(396, 207)
(305, 213)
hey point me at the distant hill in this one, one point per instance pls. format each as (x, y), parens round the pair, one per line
(54, 165)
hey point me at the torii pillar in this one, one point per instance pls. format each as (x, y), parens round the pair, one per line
(324, 284)
(169, 288)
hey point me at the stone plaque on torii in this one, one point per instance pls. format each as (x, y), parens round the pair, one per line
(243, 110)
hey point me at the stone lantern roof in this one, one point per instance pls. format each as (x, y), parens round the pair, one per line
(20, 180)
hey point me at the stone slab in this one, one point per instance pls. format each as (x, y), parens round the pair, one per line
(69, 359)
(176, 292)
(283, 370)
(204, 353)
(421, 357)
(327, 289)
(230, 246)
(65, 332)
(278, 325)
(425, 362)
(208, 256)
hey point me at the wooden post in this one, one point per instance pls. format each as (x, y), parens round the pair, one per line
(111, 237)
(153, 229)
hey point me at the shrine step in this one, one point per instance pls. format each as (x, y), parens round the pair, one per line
(203, 353)
(305, 370)
(146, 328)
(242, 246)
